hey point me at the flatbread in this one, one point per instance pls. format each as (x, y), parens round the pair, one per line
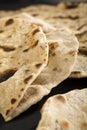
(23, 55)
(65, 112)
(80, 67)
(63, 47)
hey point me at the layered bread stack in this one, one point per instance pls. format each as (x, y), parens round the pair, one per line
(41, 46)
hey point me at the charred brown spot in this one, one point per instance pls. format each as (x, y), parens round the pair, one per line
(55, 69)
(44, 60)
(19, 96)
(76, 72)
(66, 59)
(54, 45)
(72, 53)
(26, 80)
(26, 50)
(7, 74)
(65, 124)
(38, 65)
(7, 112)
(26, 34)
(35, 44)
(19, 63)
(68, 17)
(7, 48)
(56, 121)
(1, 31)
(71, 5)
(61, 98)
(9, 21)
(35, 31)
(84, 124)
(13, 100)
(22, 89)
(27, 70)
(34, 14)
(9, 36)
(53, 54)
(29, 93)
(11, 108)
(20, 46)
(73, 17)
(52, 49)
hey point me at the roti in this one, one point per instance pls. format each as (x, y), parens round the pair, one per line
(65, 112)
(63, 47)
(23, 55)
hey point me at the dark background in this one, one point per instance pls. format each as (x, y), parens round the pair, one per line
(16, 4)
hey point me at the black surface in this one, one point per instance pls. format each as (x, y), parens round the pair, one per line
(29, 119)
(13, 5)
(17, 4)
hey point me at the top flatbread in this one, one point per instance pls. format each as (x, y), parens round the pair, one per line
(23, 55)
(63, 47)
(65, 112)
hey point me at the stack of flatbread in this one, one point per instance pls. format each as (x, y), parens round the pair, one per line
(72, 15)
(33, 59)
(41, 46)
